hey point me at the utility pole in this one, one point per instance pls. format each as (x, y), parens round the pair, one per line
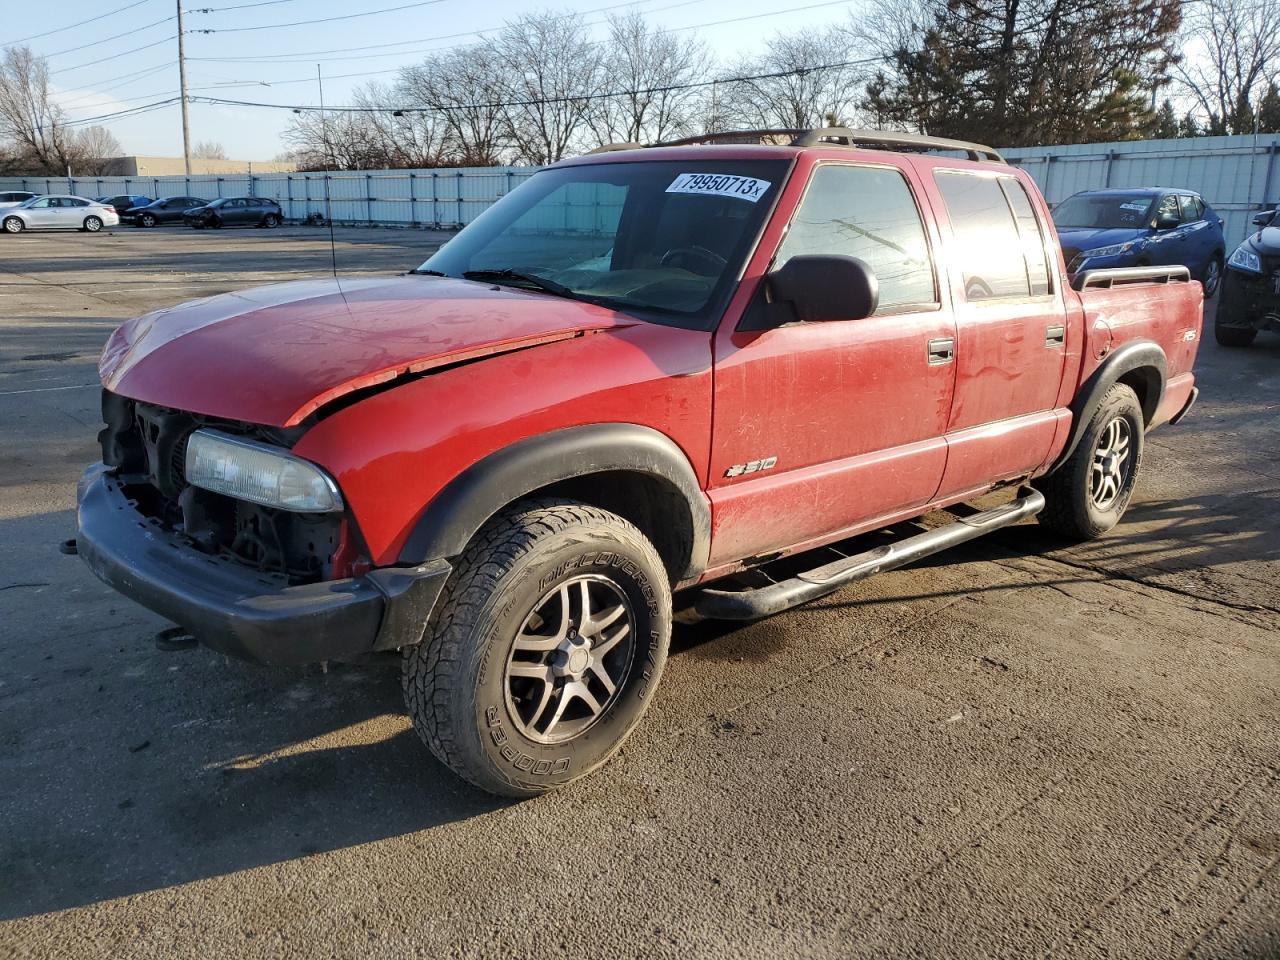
(182, 84)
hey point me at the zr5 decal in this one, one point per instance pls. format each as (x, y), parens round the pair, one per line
(755, 466)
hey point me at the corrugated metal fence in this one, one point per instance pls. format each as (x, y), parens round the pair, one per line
(1236, 175)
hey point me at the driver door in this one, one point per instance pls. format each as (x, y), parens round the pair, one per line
(43, 212)
(821, 428)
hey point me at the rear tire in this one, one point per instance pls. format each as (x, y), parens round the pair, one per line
(1088, 494)
(543, 650)
(1233, 336)
(270, 221)
(14, 225)
(92, 224)
(1211, 276)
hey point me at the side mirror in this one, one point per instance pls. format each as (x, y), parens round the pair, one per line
(1264, 218)
(825, 287)
(1167, 222)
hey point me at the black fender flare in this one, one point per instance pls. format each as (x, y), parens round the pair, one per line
(1136, 355)
(454, 515)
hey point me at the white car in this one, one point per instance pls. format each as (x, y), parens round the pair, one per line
(14, 197)
(58, 213)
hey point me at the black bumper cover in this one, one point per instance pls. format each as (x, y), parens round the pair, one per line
(1248, 300)
(239, 611)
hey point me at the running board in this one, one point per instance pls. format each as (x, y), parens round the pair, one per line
(812, 584)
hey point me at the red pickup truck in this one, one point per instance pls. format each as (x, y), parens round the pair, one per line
(642, 371)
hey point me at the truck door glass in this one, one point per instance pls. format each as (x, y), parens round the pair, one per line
(868, 213)
(989, 246)
(1032, 237)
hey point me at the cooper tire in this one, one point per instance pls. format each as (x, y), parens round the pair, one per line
(1233, 336)
(92, 224)
(482, 686)
(1088, 494)
(14, 225)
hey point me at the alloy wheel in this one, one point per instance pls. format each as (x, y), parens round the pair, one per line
(570, 659)
(1212, 277)
(1112, 463)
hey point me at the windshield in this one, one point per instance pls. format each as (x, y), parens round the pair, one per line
(667, 237)
(1104, 211)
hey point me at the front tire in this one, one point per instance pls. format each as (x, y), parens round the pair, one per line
(543, 650)
(1233, 336)
(147, 220)
(92, 224)
(1088, 494)
(14, 225)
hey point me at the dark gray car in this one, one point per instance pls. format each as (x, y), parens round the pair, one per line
(164, 210)
(235, 212)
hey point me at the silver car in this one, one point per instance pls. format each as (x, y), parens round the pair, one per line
(58, 213)
(12, 198)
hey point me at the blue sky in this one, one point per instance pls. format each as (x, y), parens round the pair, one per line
(113, 74)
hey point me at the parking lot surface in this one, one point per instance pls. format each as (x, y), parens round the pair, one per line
(1016, 749)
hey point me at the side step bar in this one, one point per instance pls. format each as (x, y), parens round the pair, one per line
(812, 584)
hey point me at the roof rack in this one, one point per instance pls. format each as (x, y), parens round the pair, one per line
(828, 136)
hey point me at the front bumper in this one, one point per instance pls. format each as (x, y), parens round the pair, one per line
(1249, 300)
(240, 611)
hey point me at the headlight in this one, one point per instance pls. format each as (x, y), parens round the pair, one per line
(259, 473)
(1112, 251)
(1244, 259)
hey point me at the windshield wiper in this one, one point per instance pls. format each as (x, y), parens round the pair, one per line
(541, 283)
(428, 273)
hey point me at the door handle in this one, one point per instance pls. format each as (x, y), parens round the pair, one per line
(1055, 336)
(942, 350)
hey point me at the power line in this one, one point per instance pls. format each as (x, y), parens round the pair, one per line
(103, 86)
(307, 55)
(98, 40)
(543, 101)
(300, 23)
(114, 56)
(240, 6)
(101, 16)
(119, 114)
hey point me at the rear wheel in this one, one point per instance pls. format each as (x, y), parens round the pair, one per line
(1087, 495)
(14, 225)
(270, 220)
(1211, 278)
(544, 649)
(92, 224)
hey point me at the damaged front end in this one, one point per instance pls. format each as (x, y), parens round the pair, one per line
(256, 582)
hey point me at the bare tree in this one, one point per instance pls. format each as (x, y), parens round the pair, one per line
(644, 64)
(464, 87)
(91, 151)
(816, 86)
(551, 72)
(209, 150)
(29, 117)
(1231, 53)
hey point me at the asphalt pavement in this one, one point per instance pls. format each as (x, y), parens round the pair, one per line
(1015, 749)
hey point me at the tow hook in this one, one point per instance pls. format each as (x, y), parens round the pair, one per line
(172, 639)
(69, 547)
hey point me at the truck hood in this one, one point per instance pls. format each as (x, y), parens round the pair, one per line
(1090, 238)
(273, 355)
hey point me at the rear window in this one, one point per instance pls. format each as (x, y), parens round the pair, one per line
(997, 245)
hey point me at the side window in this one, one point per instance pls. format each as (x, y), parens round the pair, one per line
(1192, 209)
(75, 202)
(1032, 236)
(995, 249)
(42, 204)
(868, 213)
(1168, 210)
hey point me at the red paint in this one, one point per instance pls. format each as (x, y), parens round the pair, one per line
(864, 430)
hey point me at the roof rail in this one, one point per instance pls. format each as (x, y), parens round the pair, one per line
(611, 147)
(842, 137)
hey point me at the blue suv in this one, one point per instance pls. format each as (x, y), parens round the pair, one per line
(1138, 227)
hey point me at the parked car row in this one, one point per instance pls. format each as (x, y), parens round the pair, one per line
(22, 210)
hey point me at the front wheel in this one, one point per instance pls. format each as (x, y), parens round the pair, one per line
(544, 648)
(1233, 336)
(1088, 494)
(14, 225)
(92, 224)
(147, 220)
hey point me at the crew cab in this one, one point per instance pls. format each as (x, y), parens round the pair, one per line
(645, 370)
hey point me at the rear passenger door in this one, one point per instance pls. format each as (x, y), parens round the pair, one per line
(1012, 330)
(823, 427)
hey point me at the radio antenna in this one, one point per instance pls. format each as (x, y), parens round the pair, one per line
(328, 151)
